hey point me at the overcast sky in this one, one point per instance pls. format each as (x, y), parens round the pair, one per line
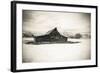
(40, 22)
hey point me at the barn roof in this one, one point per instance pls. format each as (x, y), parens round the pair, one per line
(53, 31)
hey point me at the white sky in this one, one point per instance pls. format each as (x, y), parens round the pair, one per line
(40, 22)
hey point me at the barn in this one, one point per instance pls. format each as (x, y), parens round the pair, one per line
(53, 37)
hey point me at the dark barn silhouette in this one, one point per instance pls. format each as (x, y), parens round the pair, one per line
(53, 36)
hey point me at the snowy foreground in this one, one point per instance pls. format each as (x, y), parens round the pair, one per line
(57, 52)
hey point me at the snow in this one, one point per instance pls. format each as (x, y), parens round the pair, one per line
(57, 52)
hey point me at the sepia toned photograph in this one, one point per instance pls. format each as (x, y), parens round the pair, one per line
(50, 36)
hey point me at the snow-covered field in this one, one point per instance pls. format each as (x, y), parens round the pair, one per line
(57, 52)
